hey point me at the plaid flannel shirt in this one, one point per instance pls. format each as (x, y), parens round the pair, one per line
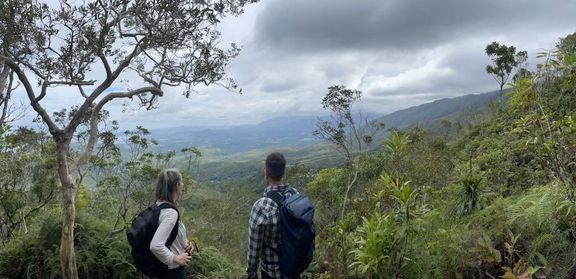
(263, 234)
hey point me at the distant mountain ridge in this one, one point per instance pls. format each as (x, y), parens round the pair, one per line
(296, 131)
(437, 110)
(281, 131)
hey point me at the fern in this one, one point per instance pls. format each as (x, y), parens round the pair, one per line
(534, 211)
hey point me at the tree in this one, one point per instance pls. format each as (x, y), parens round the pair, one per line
(13, 27)
(8, 112)
(167, 43)
(344, 130)
(504, 60)
(192, 154)
(27, 178)
(567, 45)
(123, 176)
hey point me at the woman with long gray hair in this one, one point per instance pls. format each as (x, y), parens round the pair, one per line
(176, 255)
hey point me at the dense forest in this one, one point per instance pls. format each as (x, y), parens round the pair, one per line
(491, 195)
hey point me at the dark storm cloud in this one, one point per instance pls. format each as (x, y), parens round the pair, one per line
(398, 53)
(298, 25)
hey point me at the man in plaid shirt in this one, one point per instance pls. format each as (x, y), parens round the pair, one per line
(263, 232)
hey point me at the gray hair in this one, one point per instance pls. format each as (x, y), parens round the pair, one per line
(168, 180)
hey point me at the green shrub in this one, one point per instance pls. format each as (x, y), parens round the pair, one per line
(377, 250)
(99, 254)
(210, 263)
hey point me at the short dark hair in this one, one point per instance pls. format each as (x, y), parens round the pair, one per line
(275, 165)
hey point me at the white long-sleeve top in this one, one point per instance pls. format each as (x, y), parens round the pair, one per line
(167, 220)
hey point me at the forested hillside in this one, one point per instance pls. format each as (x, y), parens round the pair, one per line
(496, 201)
(483, 192)
(218, 163)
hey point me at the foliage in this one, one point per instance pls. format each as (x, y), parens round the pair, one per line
(520, 271)
(504, 60)
(470, 194)
(377, 240)
(299, 175)
(426, 159)
(348, 134)
(209, 263)
(510, 178)
(192, 154)
(326, 190)
(27, 178)
(165, 43)
(124, 177)
(495, 200)
(336, 241)
(99, 254)
(220, 219)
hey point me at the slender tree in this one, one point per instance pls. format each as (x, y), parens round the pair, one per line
(166, 43)
(192, 154)
(504, 60)
(349, 135)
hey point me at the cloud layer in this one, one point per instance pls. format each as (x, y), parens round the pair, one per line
(399, 53)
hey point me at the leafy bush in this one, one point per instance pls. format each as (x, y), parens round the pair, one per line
(99, 254)
(377, 253)
(209, 263)
(327, 192)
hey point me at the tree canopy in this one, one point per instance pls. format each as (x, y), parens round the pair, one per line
(504, 60)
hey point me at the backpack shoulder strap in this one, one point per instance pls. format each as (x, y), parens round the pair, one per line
(293, 190)
(276, 196)
(174, 231)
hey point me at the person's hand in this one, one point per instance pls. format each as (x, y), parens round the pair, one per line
(190, 248)
(182, 259)
(251, 274)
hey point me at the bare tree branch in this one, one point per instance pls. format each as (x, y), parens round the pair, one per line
(76, 119)
(30, 92)
(106, 66)
(81, 90)
(47, 83)
(30, 67)
(83, 158)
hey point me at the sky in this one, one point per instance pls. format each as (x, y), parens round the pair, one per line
(399, 53)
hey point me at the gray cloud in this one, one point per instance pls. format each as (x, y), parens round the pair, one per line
(278, 85)
(399, 53)
(397, 24)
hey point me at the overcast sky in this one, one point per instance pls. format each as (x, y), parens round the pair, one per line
(399, 53)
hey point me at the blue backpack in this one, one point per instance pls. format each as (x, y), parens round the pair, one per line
(297, 232)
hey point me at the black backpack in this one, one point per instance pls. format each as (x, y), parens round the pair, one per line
(297, 232)
(140, 235)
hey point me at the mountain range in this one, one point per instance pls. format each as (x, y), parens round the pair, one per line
(281, 131)
(296, 131)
